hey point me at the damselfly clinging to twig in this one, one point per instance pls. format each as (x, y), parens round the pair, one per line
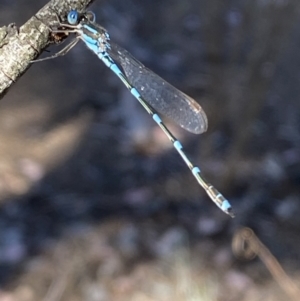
(153, 93)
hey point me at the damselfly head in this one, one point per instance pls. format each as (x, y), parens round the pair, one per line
(74, 17)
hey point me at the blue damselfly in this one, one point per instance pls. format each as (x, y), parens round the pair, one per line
(153, 93)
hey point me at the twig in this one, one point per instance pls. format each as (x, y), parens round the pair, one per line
(246, 243)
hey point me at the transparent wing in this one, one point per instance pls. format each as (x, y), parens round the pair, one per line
(161, 95)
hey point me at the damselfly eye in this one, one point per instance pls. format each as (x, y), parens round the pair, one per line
(90, 16)
(73, 17)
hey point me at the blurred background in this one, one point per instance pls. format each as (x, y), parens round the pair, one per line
(95, 202)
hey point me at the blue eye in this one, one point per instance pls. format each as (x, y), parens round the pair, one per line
(73, 17)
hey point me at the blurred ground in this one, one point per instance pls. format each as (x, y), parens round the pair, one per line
(95, 203)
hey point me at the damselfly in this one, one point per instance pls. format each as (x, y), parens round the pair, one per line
(153, 93)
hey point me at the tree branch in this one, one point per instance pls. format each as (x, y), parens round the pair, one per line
(19, 47)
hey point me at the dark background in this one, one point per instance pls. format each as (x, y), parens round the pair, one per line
(95, 202)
